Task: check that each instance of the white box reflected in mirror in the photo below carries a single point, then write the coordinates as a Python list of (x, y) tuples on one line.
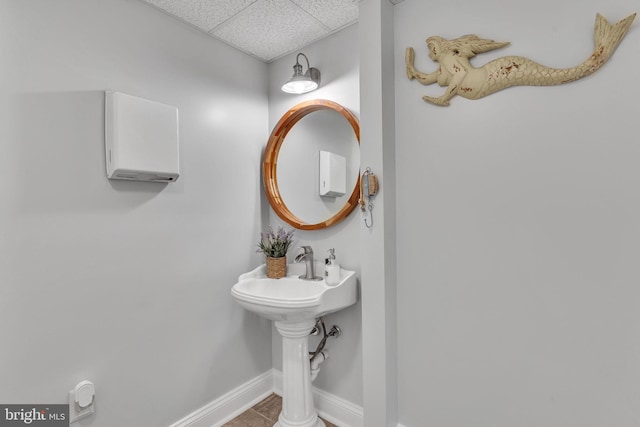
[(333, 174)]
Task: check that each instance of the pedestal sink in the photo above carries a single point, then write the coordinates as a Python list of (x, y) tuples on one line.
[(294, 305)]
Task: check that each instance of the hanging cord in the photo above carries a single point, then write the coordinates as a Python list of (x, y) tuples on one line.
[(364, 193), (370, 216)]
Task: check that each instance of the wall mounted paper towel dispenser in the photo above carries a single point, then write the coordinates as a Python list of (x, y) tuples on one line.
[(333, 174), (141, 139)]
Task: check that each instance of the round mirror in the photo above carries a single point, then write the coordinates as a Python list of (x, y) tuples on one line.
[(311, 165)]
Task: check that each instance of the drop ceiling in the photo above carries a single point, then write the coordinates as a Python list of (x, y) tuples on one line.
[(266, 29)]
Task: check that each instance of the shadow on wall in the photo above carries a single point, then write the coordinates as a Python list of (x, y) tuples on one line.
[(60, 138)]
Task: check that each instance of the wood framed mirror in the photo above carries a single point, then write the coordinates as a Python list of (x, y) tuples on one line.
[(325, 128)]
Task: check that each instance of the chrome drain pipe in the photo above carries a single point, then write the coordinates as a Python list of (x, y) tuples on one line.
[(320, 354)]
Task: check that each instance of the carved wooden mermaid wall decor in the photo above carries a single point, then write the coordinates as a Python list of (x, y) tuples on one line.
[(461, 78)]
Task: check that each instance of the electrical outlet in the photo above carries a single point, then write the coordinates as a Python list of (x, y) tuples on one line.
[(81, 401), (75, 412)]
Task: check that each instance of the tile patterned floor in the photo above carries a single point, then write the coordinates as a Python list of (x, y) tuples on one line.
[(263, 414)]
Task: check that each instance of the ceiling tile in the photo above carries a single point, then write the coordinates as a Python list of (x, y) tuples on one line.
[(204, 14), (270, 28), (332, 13)]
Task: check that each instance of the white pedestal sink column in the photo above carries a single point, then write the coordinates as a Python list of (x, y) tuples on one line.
[(297, 398)]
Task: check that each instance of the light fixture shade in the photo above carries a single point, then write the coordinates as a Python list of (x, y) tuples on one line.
[(302, 83)]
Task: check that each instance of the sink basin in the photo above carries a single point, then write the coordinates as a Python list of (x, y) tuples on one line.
[(294, 305), (291, 299)]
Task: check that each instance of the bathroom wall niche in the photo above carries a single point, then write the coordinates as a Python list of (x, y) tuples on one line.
[(291, 163)]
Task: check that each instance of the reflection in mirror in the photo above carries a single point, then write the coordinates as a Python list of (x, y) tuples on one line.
[(291, 164), (298, 168)]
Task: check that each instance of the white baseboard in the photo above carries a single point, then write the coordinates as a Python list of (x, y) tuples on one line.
[(330, 407), (230, 405), (337, 410)]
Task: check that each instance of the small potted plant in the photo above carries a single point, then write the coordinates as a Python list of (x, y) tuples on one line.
[(274, 245)]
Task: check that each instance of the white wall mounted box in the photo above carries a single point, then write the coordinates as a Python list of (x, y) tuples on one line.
[(141, 139), (333, 174)]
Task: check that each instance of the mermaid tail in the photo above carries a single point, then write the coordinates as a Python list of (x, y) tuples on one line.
[(518, 71)]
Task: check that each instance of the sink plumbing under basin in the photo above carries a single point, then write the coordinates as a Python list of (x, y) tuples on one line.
[(294, 305)]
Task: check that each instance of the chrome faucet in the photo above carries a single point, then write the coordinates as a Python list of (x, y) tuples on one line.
[(307, 257)]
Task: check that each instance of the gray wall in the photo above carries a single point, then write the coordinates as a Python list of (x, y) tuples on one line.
[(377, 244), (125, 284), (518, 227), (337, 59)]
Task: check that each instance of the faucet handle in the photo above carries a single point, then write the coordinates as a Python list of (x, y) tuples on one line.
[(306, 249)]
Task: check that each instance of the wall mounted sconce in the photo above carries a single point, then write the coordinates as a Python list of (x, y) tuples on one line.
[(302, 83)]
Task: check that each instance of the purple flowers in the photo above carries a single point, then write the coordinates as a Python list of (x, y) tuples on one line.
[(276, 244)]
